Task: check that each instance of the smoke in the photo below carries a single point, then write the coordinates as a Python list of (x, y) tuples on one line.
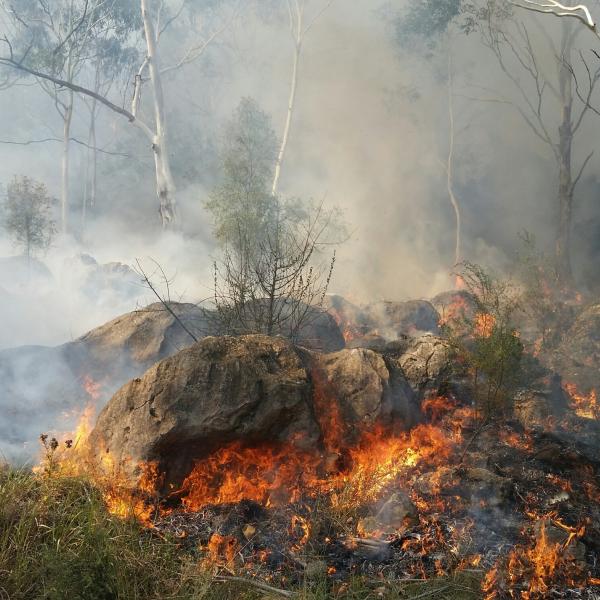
[(370, 134)]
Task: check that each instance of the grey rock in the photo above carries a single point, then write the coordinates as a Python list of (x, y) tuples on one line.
[(251, 388)]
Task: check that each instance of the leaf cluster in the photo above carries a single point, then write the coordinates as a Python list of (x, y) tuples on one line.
[(488, 342), (28, 215)]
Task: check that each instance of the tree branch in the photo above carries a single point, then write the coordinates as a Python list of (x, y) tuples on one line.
[(557, 9), (11, 62), (55, 139)]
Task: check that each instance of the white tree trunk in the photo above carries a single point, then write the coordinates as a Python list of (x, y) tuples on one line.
[(450, 164), (64, 192), (91, 168), (165, 187), (288, 119)]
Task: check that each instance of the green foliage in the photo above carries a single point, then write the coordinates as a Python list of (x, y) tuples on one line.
[(56, 37), (543, 305), (242, 205), (491, 349), (426, 20), (28, 215), (58, 541), (270, 273)]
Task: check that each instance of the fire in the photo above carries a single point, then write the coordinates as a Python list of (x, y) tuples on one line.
[(92, 388), (484, 325), (435, 407), (222, 548), (276, 475), (584, 405), (349, 330), (457, 310), (300, 527), (537, 565), (521, 441)]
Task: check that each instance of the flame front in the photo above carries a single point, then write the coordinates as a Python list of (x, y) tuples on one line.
[(584, 405)]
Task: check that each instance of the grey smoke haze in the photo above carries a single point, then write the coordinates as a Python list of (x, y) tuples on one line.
[(370, 127)]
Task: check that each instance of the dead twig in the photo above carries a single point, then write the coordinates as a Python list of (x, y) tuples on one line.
[(473, 438), (257, 584), (432, 592), (164, 302)]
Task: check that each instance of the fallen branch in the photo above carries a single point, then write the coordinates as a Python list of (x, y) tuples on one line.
[(257, 584), (432, 592)]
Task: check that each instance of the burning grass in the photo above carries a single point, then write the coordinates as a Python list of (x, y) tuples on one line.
[(395, 513), (58, 541), (457, 507)]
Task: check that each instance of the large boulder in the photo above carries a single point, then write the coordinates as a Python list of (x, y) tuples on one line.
[(366, 391), (128, 345), (47, 388), (426, 363), (250, 389), (393, 319), (103, 284)]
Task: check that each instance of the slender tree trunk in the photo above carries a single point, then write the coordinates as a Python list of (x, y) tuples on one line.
[(64, 195), (91, 165), (565, 176), (94, 173), (165, 187), (288, 119), (450, 164)]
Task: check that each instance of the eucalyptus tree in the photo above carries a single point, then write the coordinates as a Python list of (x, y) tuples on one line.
[(300, 24), (430, 22), (59, 38), (111, 66), (152, 19), (553, 101)]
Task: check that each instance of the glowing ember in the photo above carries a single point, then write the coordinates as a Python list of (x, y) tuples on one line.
[(522, 441), (584, 405)]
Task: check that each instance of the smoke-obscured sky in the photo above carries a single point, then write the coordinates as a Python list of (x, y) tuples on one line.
[(369, 134)]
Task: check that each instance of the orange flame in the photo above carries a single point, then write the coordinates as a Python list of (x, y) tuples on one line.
[(484, 325), (584, 405), (275, 475)]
